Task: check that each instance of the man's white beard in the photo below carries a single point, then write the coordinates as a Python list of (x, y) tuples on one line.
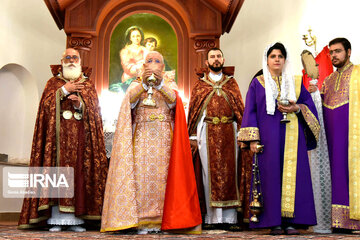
[(71, 70)]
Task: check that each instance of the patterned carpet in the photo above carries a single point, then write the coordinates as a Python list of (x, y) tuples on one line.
[(11, 232)]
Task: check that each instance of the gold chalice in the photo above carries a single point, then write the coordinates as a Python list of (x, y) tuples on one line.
[(149, 101), (284, 102)]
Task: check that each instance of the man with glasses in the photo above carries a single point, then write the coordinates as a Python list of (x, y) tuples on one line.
[(341, 109), (151, 183), (68, 133)]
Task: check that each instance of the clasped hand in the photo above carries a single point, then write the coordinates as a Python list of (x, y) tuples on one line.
[(157, 74), (292, 107), (73, 87), (75, 99), (254, 147)]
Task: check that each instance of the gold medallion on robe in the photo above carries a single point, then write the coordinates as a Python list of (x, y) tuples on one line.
[(77, 116), (67, 114)]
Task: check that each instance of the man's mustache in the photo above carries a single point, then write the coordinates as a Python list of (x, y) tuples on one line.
[(70, 65)]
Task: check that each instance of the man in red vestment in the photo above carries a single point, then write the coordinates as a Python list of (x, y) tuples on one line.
[(68, 133), (215, 115)]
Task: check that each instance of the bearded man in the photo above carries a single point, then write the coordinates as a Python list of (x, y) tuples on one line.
[(340, 94), (68, 133), (215, 115)]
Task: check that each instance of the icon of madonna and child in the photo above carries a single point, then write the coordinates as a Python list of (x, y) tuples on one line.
[(132, 58)]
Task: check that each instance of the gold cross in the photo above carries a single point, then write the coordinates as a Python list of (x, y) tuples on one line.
[(337, 223)]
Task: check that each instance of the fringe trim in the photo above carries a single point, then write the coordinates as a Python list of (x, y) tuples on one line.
[(286, 214)]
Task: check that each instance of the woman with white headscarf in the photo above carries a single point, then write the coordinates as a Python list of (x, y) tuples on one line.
[(285, 177)]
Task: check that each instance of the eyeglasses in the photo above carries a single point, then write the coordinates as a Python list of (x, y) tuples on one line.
[(150, 60), (75, 57), (337, 51)]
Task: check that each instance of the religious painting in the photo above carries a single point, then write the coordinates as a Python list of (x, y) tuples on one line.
[(131, 40)]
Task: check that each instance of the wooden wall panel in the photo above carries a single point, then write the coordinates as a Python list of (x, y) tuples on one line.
[(78, 16), (198, 25)]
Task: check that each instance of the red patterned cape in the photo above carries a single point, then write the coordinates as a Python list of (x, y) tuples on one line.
[(81, 145), (198, 96)]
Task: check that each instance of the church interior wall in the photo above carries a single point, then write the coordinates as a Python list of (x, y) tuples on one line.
[(261, 22), (20, 95), (30, 41)]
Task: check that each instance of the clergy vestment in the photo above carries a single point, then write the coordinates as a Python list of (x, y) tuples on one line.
[(341, 114), (283, 164), (215, 114), (68, 142), (151, 180)]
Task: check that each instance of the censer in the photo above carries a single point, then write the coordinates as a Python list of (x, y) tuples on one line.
[(256, 203)]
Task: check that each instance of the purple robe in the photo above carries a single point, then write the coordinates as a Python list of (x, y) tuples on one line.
[(272, 135), (335, 94), (337, 127)]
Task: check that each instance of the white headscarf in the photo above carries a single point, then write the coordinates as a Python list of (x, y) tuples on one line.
[(287, 84)]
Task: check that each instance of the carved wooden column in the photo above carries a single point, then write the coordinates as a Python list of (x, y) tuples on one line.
[(202, 46), (86, 45), (198, 25), (82, 43), (199, 47)]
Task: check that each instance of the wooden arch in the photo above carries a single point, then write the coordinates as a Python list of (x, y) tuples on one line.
[(198, 25), (123, 11)]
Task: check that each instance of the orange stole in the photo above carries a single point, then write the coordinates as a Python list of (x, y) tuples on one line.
[(181, 206)]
